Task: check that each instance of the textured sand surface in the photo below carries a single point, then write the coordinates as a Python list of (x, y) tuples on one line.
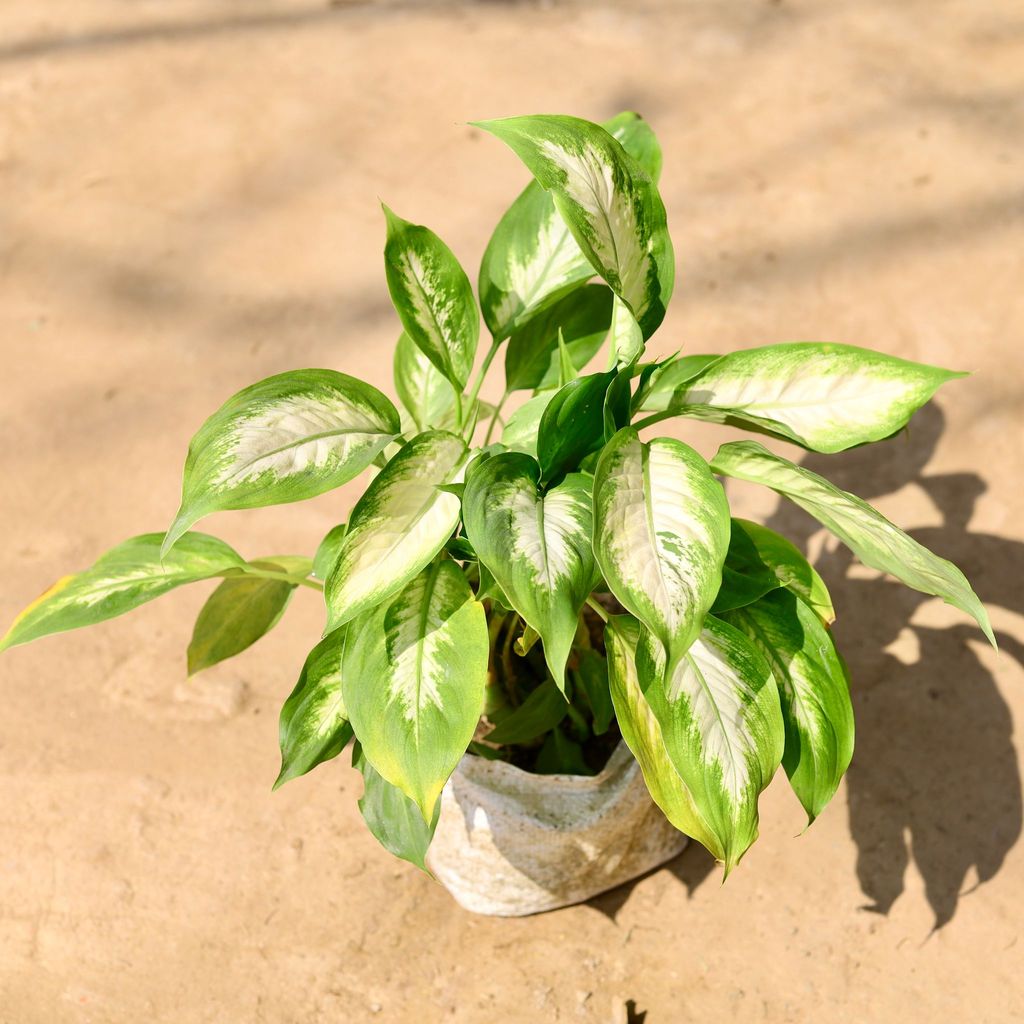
[(189, 203)]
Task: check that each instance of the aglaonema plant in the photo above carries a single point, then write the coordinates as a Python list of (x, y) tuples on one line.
[(534, 593)]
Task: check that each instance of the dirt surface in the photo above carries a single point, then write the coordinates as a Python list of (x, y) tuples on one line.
[(190, 203)]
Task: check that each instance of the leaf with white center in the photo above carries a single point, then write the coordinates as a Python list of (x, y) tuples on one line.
[(872, 538), (424, 391), (721, 721), (414, 676), (536, 547), (397, 526), (520, 433), (532, 358), (314, 726), (532, 259), (642, 734), (284, 439), (814, 690), (824, 397), (240, 611), (392, 818), (125, 577), (661, 532), (609, 202), (432, 296)]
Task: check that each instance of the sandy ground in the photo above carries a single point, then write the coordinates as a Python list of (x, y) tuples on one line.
[(189, 203)]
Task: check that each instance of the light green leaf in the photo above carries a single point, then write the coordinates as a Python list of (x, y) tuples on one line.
[(125, 577), (666, 389), (608, 201), (532, 357), (392, 818), (520, 433), (284, 439), (824, 397), (432, 296), (872, 538), (814, 689), (236, 615), (397, 527), (536, 547), (542, 710), (414, 676), (424, 391), (721, 722), (661, 531), (638, 140), (328, 551), (627, 341), (314, 725)]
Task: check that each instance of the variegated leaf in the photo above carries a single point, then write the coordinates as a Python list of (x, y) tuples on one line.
[(536, 546), (872, 538), (666, 388), (824, 397), (661, 531), (414, 677), (314, 726), (432, 296), (609, 202), (721, 722), (532, 259), (397, 527), (814, 689), (287, 438), (642, 734), (424, 391), (125, 577)]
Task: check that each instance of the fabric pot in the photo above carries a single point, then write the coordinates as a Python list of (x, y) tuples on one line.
[(510, 843)]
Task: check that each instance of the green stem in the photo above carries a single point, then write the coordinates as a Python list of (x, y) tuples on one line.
[(494, 419), (484, 367), (656, 417), (596, 607), (269, 574)]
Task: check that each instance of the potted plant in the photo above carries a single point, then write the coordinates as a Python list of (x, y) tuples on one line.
[(529, 630)]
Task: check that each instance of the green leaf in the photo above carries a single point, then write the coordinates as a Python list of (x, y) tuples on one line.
[(824, 397), (617, 402), (561, 756), (537, 547), (627, 340), (661, 532), (520, 433), (814, 689), (125, 577), (424, 391), (592, 678), (235, 616), (314, 725), (666, 390), (608, 201), (721, 722), (872, 538), (532, 357), (414, 676), (392, 818), (433, 297), (542, 710), (327, 553), (397, 527), (284, 439), (532, 259), (572, 424)]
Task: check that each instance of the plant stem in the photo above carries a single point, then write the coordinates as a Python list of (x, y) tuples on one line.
[(597, 607), (484, 367), (656, 417), (494, 419), (269, 574)]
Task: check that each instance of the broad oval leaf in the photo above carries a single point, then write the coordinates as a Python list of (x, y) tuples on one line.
[(532, 259), (721, 722), (814, 690), (414, 676), (572, 424), (584, 316), (432, 296), (125, 577), (661, 532), (536, 546), (397, 526), (823, 397), (424, 391), (236, 615), (392, 818), (872, 538), (289, 437), (314, 726), (609, 202)]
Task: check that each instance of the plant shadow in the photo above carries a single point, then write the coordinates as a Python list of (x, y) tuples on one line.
[(935, 775)]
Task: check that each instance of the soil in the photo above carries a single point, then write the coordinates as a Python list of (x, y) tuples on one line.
[(190, 203)]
